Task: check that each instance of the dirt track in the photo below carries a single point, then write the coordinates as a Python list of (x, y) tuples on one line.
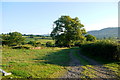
[(76, 70)]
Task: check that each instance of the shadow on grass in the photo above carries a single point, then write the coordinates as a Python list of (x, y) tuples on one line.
[(87, 65), (60, 58), (98, 59)]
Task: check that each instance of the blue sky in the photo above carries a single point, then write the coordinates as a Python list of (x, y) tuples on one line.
[(38, 17)]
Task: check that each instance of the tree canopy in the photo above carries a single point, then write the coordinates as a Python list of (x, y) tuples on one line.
[(12, 38), (67, 30)]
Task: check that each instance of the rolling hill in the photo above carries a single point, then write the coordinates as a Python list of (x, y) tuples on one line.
[(105, 33)]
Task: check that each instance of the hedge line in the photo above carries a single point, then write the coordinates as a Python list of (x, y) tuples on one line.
[(103, 49)]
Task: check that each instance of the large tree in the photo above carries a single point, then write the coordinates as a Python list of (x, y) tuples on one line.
[(12, 38), (67, 30)]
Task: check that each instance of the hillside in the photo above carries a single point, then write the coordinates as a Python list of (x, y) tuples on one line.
[(106, 32)]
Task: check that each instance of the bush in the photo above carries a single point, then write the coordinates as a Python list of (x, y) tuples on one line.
[(12, 39), (49, 44), (38, 44), (34, 43), (21, 47), (90, 37), (104, 49), (78, 44)]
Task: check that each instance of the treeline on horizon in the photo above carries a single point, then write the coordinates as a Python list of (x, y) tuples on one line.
[(34, 35)]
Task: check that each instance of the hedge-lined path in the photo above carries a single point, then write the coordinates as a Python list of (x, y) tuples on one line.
[(92, 70)]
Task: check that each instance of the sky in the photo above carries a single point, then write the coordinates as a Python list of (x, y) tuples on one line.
[(38, 17)]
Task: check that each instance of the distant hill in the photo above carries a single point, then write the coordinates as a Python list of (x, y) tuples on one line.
[(106, 32)]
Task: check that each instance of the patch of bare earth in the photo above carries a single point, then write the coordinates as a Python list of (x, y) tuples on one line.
[(36, 48), (76, 70)]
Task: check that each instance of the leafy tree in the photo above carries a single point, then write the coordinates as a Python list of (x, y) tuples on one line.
[(33, 43), (90, 37), (14, 38), (67, 30)]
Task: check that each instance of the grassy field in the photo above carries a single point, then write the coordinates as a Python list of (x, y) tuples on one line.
[(43, 63), (47, 62), (39, 39)]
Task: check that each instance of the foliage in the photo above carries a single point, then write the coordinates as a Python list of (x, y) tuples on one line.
[(31, 36), (90, 37), (34, 43), (67, 30), (103, 49), (49, 44), (12, 38), (38, 44), (21, 47)]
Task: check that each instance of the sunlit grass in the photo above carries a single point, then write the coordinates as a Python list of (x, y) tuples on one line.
[(43, 63), (89, 69), (114, 67), (38, 39)]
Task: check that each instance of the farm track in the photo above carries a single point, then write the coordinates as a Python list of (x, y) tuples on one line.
[(75, 69)]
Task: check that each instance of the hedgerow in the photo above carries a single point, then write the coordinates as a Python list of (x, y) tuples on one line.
[(104, 49)]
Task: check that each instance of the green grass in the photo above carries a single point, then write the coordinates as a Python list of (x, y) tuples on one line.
[(114, 66), (76, 54), (88, 69), (46, 63), (43, 63), (38, 39), (43, 41)]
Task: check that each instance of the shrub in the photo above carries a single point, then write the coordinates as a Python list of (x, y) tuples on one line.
[(34, 43), (49, 44), (104, 49), (12, 39), (21, 47), (78, 44), (38, 44), (90, 37)]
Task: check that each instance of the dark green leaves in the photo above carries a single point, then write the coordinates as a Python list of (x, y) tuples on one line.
[(67, 30)]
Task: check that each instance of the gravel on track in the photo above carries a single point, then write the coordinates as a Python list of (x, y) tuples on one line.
[(76, 70)]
